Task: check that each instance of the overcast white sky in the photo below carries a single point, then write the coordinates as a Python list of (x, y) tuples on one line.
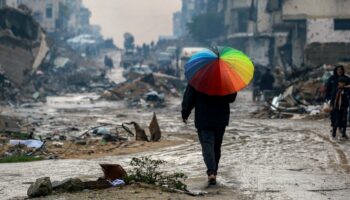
[(145, 19)]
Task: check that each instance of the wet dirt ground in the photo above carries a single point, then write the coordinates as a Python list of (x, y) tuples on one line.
[(261, 158)]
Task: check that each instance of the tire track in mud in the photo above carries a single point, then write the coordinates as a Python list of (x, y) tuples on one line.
[(343, 159)]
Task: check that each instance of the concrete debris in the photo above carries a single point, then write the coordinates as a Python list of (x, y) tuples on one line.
[(140, 132), (20, 30), (113, 176), (68, 185), (154, 129), (304, 97), (48, 65), (146, 90), (41, 187)]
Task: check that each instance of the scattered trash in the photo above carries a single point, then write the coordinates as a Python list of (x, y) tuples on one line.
[(29, 143), (57, 144), (113, 171), (117, 182), (101, 131)]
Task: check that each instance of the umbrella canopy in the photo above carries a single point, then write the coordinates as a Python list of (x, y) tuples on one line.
[(220, 71)]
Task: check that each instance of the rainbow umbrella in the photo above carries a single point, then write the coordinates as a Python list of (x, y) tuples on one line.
[(220, 71)]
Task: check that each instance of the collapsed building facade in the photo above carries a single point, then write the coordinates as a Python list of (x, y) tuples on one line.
[(23, 45), (289, 33), (35, 64)]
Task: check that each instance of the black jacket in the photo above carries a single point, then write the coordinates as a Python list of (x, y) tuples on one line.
[(332, 85), (344, 101), (266, 82), (211, 112)]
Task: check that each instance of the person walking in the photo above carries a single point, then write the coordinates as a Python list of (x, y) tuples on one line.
[(340, 104), (266, 84), (214, 77), (212, 114), (331, 87), (332, 82)]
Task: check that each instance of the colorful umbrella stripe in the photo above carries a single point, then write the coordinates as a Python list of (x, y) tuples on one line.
[(222, 72)]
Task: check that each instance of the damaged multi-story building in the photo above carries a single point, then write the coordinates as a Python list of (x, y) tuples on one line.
[(55, 15), (190, 9), (289, 33)]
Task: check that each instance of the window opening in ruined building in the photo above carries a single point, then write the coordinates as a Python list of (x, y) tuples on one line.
[(341, 24), (49, 11), (241, 18)]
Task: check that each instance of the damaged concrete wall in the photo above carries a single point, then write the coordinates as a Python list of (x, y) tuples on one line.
[(15, 60), (42, 52), (326, 53), (322, 30), (258, 49), (46, 12), (301, 9), (264, 22)]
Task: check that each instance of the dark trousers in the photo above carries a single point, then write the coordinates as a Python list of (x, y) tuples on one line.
[(339, 117), (211, 141)]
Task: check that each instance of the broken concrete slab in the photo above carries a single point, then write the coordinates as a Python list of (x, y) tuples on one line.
[(154, 129), (68, 185), (41, 187)]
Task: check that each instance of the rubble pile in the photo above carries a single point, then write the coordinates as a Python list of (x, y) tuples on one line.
[(303, 98), (146, 89), (34, 65), (66, 71), (23, 47), (18, 143)]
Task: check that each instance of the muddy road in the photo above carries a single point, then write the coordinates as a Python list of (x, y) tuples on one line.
[(262, 159)]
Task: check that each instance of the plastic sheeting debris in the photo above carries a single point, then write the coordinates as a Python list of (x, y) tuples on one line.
[(29, 143)]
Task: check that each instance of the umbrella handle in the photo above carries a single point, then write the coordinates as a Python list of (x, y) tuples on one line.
[(216, 51)]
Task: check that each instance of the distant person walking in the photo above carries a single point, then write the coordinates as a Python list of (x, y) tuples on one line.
[(256, 85), (212, 114), (338, 82), (108, 62), (332, 82), (340, 104), (266, 84), (267, 80)]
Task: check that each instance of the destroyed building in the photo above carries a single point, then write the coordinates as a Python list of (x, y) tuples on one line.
[(20, 37), (34, 64), (290, 33), (55, 15)]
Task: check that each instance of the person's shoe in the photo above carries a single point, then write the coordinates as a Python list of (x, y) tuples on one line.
[(212, 179), (345, 137), (334, 133)]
